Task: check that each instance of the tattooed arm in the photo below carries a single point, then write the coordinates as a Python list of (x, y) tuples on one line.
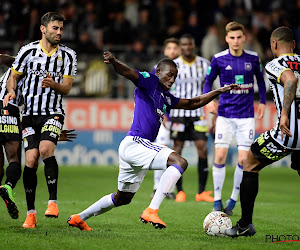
[(289, 81)]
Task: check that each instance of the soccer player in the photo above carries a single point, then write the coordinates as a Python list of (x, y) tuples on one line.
[(235, 114), (284, 138), (190, 125), (137, 152), (49, 69), (171, 51)]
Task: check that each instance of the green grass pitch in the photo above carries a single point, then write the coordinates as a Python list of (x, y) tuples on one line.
[(276, 213)]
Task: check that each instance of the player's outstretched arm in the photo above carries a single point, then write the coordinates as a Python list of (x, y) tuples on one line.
[(200, 101), (6, 60), (67, 135), (120, 67), (10, 86)]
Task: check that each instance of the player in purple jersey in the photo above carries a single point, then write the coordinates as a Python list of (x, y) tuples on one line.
[(235, 114), (284, 75), (171, 51), (137, 152)]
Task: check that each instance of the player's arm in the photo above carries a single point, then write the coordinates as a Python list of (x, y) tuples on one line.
[(6, 60), (120, 67), (62, 88), (202, 100), (11, 87), (289, 81), (261, 90)]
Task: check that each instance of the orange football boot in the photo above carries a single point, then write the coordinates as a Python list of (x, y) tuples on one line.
[(52, 210), (204, 196), (75, 221), (30, 221), (151, 215), (180, 197)]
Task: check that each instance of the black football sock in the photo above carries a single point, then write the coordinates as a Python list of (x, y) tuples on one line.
[(30, 183), (179, 185), (202, 174), (51, 174), (13, 174), (248, 193)]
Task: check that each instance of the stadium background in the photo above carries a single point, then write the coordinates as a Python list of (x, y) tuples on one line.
[(100, 105)]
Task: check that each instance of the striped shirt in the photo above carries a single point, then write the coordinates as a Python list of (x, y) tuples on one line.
[(34, 61), (274, 69), (189, 84), (3, 91)]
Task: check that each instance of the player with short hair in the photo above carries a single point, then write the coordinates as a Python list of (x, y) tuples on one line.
[(235, 114), (171, 51), (283, 74), (137, 152), (49, 68), (191, 125)]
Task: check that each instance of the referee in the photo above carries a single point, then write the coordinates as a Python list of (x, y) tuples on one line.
[(49, 69)]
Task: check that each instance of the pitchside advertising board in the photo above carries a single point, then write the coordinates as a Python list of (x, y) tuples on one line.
[(102, 124)]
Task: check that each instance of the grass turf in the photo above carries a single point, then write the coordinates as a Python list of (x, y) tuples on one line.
[(276, 213)]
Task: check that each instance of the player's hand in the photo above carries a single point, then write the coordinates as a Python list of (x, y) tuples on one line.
[(261, 110), (8, 97), (67, 135), (212, 107), (284, 126), (48, 82), (229, 87), (108, 57)]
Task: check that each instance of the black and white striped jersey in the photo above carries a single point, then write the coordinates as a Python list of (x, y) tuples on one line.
[(189, 84), (34, 61), (274, 69), (3, 91)]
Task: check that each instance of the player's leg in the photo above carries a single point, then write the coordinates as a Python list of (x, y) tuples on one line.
[(244, 137), (176, 167), (49, 138), (181, 196), (1, 164), (223, 137)]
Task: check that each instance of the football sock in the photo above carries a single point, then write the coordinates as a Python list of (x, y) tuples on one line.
[(157, 175), (219, 172), (179, 185), (237, 179), (166, 185), (30, 183), (13, 174), (202, 174), (101, 206), (1, 175), (51, 174), (249, 190)]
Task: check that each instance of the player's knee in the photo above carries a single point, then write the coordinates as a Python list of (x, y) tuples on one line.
[(45, 152), (182, 162), (123, 201)]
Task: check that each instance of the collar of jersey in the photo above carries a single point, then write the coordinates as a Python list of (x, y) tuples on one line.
[(287, 54), (189, 63), (45, 51)]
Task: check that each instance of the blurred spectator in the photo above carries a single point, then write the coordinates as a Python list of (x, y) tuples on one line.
[(176, 20), (85, 44), (4, 29), (210, 43), (192, 27), (251, 43), (132, 12)]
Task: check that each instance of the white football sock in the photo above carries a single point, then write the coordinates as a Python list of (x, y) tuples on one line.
[(99, 207), (157, 175), (219, 172), (166, 185), (238, 176)]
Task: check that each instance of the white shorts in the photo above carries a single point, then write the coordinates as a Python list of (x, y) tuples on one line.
[(136, 156), (242, 128), (163, 136)]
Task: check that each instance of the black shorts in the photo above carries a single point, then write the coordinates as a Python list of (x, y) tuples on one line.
[(41, 128), (188, 129), (10, 128), (266, 150)]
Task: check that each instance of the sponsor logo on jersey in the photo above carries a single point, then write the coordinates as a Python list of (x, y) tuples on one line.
[(28, 131), (208, 70), (239, 79), (228, 67)]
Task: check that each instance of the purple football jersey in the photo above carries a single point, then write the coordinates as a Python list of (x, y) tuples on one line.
[(238, 103), (151, 104)]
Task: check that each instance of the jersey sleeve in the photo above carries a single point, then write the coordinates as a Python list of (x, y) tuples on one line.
[(154, 70), (211, 75), (70, 69), (274, 70), (260, 81), (147, 80), (172, 101), (21, 59)]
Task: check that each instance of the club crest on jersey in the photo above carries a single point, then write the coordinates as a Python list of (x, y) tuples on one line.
[(248, 66), (168, 99), (59, 61)]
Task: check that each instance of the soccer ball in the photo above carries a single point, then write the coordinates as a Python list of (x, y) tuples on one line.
[(215, 223)]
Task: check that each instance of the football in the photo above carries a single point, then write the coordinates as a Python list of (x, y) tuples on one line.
[(216, 222)]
